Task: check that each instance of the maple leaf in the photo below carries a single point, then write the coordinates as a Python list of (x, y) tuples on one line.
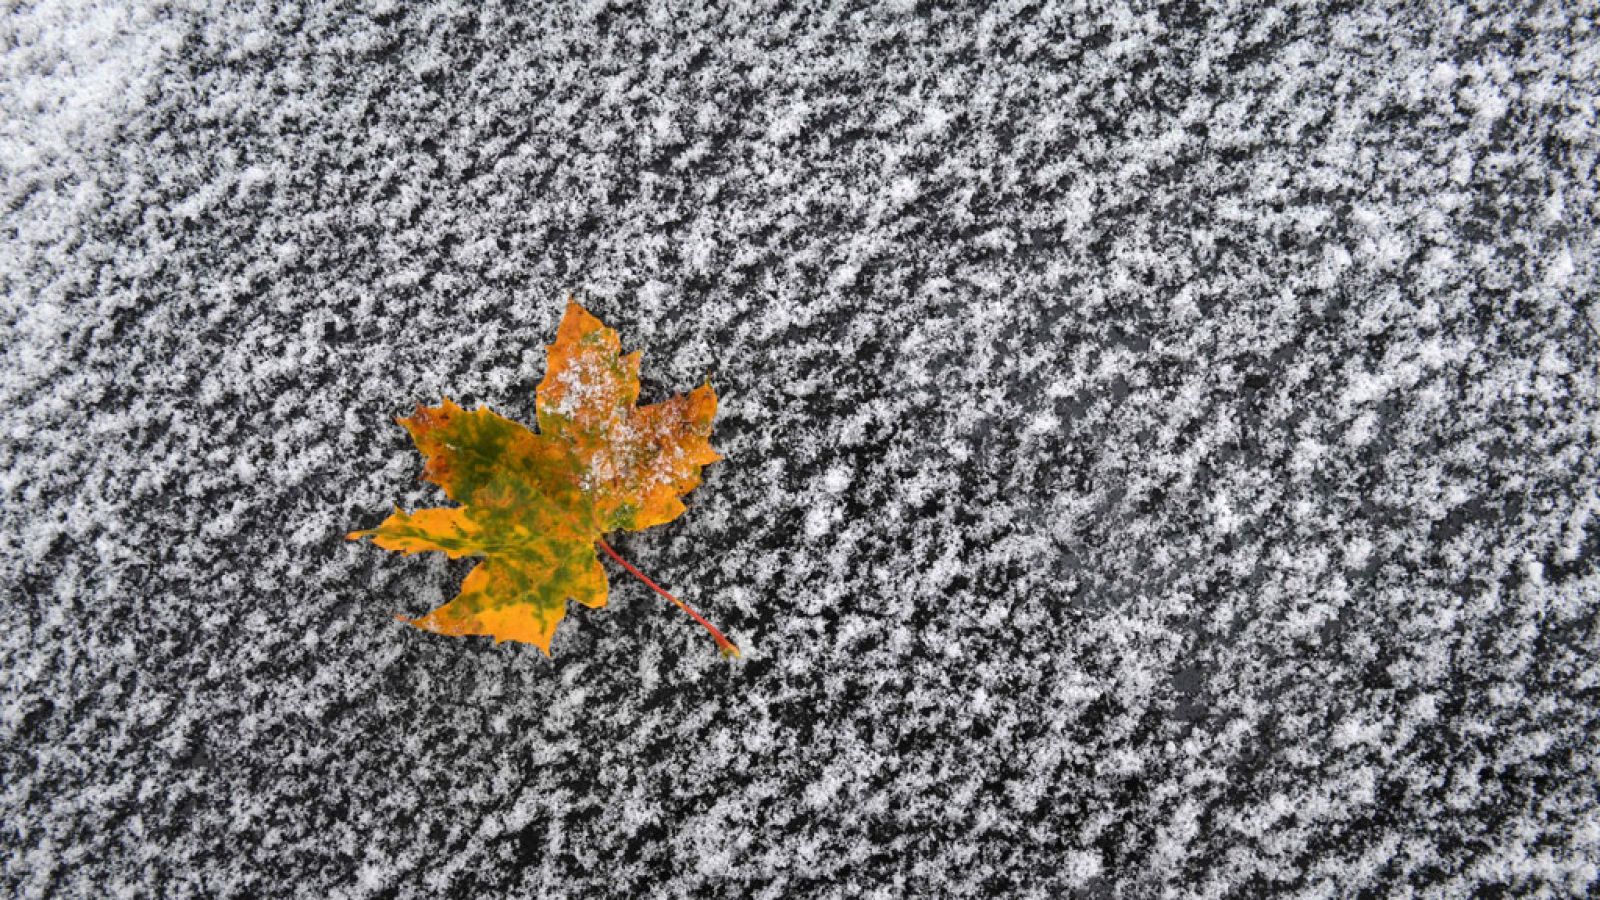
[(535, 506)]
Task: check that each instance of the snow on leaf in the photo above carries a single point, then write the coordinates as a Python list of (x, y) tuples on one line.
[(636, 462)]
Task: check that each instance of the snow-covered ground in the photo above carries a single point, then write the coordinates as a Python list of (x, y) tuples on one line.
[(1161, 448)]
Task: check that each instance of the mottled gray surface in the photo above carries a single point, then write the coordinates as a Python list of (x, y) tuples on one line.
[(1161, 449)]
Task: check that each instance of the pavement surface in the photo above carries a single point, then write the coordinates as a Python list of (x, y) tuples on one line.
[(1161, 448)]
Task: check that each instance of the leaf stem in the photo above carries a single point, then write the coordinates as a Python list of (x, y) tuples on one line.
[(725, 645)]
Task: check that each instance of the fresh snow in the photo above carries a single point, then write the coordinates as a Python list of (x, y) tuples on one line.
[(1161, 448)]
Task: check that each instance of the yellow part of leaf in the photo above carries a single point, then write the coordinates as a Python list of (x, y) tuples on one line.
[(449, 530), (514, 599)]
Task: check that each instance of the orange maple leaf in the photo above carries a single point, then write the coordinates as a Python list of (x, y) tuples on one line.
[(535, 506)]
